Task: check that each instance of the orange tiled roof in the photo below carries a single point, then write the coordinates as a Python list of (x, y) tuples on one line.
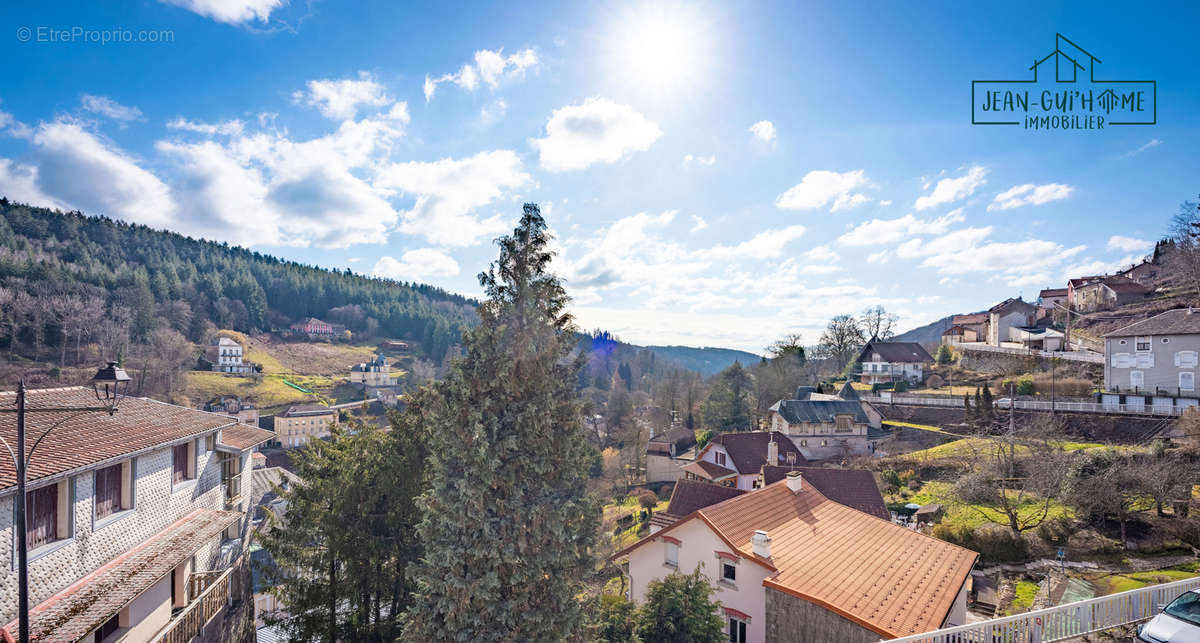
[(84, 439), (708, 470), (880, 575), (244, 436), (93, 599)]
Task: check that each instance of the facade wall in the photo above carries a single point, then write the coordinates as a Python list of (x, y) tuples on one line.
[(999, 325), (1159, 367), (297, 431), (823, 441), (156, 504), (661, 468), (795, 620), (698, 548)]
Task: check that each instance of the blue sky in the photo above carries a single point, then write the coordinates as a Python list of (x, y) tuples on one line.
[(715, 173)]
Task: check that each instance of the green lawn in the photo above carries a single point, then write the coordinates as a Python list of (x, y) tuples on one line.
[(959, 514), (1026, 591), (1137, 580)]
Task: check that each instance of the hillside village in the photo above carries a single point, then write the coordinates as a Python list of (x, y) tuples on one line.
[(904, 451)]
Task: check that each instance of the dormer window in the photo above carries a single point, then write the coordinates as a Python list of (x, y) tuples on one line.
[(1143, 344), (720, 458)]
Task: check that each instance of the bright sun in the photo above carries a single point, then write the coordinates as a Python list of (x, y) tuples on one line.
[(661, 49)]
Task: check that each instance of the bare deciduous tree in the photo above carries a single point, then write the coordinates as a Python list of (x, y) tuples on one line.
[(876, 321), (841, 339)]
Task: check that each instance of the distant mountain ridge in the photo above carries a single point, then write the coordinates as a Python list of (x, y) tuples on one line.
[(930, 333), (704, 360)]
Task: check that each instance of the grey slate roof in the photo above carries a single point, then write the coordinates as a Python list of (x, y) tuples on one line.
[(908, 352), (1181, 321), (847, 392), (821, 411)]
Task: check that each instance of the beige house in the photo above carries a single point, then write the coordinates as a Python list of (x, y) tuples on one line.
[(667, 453), (303, 422), (136, 523), (1006, 315), (828, 427), (1108, 293), (372, 374)]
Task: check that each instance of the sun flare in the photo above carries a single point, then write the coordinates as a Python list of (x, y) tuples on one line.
[(661, 50)]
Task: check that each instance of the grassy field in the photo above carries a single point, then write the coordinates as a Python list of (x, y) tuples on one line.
[(1136, 580), (967, 447), (266, 391), (959, 514), (1025, 592)]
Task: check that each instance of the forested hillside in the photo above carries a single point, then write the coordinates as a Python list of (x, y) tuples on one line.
[(67, 278)]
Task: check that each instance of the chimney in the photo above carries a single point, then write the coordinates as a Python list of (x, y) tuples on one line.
[(794, 481), (772, 452), (761, 543)]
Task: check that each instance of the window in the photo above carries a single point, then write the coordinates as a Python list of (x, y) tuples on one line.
[(804, 443), (728, 571), (824, 443), (737, 630), (720, 458), (183, 458), (1137, 379), (1187, 381), (843, 423), (41, 516), (1165, 340), (672, 555), (113, 489), (1143, 344), (1122, 342), (110, 626)]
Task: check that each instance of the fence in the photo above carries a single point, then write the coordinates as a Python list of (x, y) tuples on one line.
[(1064, 621), (1070, 356), (1031, 405)]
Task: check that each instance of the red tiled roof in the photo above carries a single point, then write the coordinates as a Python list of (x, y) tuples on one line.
[(974, 318), (855, 488), (244, 436), (1125, 285), (87, 438), (690, 495), (709, 470), (89, 602), (889, 579)]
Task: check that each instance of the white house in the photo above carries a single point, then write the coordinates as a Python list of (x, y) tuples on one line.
[(226, 357), (372, 374), (884, 362), (132, 520), (1010, 313), (735, 459), (789, 564), (1154, 362)]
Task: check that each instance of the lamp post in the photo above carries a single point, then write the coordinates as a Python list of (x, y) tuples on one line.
[(109, 384)]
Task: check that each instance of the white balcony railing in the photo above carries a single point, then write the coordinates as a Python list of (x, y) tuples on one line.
[(1064, 621)]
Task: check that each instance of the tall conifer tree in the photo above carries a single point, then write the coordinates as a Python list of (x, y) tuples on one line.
[(507, 524)]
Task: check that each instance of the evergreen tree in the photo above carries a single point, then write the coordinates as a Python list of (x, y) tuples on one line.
[(506, 521), (987, 409), (944, 356), (341, 556), (969, 412), (678, 609), (979, 412), (729, 406)]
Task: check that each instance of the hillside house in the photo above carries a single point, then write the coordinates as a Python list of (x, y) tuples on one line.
[(245, 412), (137, 521), (394, 346), (886, 362), (1154, 362), (667, 453), (825, 427), (372, 374), (735, 459), (1037, 338), (1144, 273), (1008, 314), (303, 422), (1108, 293), (312, 327), (1075, 284), (788, 563), (1051, 297), (976, 322), (958, 334)]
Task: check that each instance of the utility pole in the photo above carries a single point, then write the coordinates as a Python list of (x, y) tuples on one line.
[(1012, 427)]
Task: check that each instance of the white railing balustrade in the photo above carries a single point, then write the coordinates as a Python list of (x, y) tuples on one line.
[(1064, 621), (1031, 405), (1070, 356)]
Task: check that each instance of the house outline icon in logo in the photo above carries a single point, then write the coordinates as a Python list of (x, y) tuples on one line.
[(1066, 71)]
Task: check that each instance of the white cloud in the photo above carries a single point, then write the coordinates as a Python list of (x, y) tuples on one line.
[(820, 187), (449, 190), (698, 223), (1030, 194), (230, 11), (341, 99), (689, 160), (883, 256), (1089, 266), (822, 253), (416, 265), (231, 127), (75, 167), (489, 114), (949, 243), (1011, 259), (490, 67), (885, 231), (1128, 244), (765, 245), (106, 106), (19, 183), (956, 189), (595, 131), (885, 203), (763, 131)]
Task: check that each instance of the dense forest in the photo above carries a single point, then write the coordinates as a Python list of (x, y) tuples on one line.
[(68, 277)]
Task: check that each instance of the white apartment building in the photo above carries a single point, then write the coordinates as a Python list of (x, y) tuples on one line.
[(136, 522)]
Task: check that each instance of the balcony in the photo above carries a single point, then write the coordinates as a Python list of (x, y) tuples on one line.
[(219, 611)]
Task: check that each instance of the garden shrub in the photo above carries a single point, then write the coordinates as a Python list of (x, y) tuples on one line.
[(1057, 530), (994, 543)]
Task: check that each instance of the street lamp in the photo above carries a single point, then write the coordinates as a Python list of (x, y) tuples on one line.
[(109, 385)]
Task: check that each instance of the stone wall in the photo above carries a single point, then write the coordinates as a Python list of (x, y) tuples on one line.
[(795, 620), (157, 503)]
